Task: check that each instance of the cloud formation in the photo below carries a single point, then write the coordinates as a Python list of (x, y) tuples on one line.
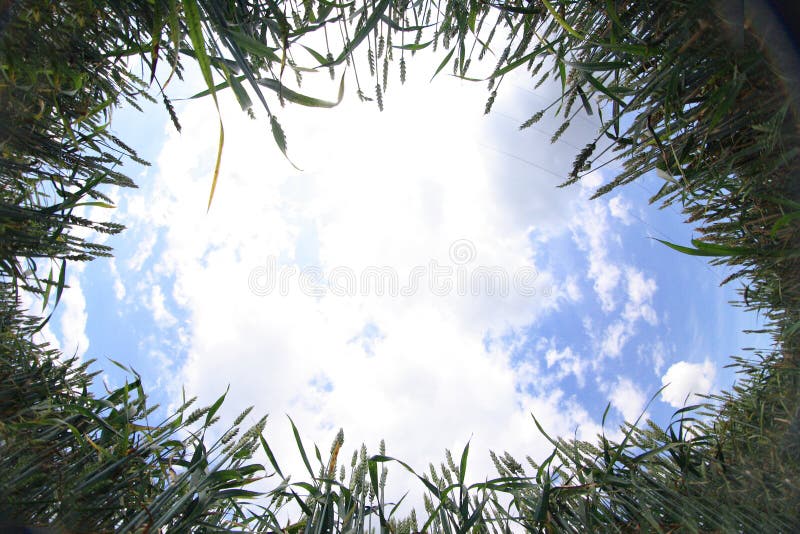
[(423, 370), (628, 399), (73, 340), (684, 381)]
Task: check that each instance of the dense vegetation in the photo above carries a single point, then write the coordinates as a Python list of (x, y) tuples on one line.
[(685, 88)]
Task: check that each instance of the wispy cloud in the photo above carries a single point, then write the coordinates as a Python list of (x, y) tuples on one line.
[(155, 302), (592, 233), (620, 209), (565, 362)]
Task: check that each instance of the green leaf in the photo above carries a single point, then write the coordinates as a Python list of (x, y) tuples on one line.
[(444, 62), (271, 456), (215, 407), (62, 281), (300, 447), (239, 494), (195, 30), (473, 16), (543, 505), (597, 65), (96, 204), (214, 61), (193, 25), (312, 27), (413, 46), (240, 92), (594, 82), (319, 57), (318, 455), (373, 479), (254, 46), (463, 466), (396, 506), (685, 409), (475, 515), (395, 26), (587, 106), (220, 145), (48, 287), (283, 22), (524, 59), (379, 458), (562, 21), (298, 98), (545, 434), (334, 4), (705, 249)]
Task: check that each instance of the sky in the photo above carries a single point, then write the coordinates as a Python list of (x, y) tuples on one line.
[(417, 277)]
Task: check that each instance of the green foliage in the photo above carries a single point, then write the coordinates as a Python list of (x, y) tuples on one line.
[(57, 152), (98, 464), (679, 88)]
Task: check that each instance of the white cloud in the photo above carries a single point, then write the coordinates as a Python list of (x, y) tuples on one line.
[(685, 381), (628, 399), (32, 305), (119, 287), (155, 303), (620, 208), (640, 297), (572, 289), (382, 190), (591, 231), (656, 354), (614, 338), (73, 319), (566, 362), (145, 247), (370, 195), (639, 305)]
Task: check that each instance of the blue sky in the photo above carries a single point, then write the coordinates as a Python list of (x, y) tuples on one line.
[(614, 315)]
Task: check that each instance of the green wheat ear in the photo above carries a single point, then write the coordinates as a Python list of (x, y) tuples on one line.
[(242, 415), (542, 80), (533, 120), (490, 102), (580, 164), (171, 111), (371, 61), (560, 131)]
